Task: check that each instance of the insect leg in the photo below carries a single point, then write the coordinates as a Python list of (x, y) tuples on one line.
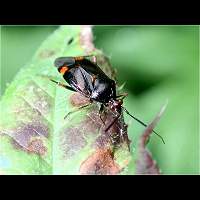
[(63, 85), (112, 122), (101, 111), (78, 109), (58, 83)]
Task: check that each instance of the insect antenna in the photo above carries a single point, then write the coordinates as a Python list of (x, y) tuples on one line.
[(143, 124)]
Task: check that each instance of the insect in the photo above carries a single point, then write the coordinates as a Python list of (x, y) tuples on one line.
[(83, 75)]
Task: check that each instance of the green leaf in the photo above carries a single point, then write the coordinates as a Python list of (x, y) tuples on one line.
[(35, 138)]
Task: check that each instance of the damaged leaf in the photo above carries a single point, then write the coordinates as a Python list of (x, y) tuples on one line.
[(34, 136)]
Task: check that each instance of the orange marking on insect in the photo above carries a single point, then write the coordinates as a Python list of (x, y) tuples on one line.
[(79, 58), (93, 78), (64, 69)]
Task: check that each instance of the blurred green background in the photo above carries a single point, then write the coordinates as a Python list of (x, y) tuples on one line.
[(156, 63)]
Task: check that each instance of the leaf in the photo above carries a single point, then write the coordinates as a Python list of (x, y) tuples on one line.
[(145, 163), (35, 138)]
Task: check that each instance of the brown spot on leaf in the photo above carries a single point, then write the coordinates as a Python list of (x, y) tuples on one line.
[(72, 141), (46, 54), (77, 99), (100, 163), (25, 134), (37, 146), (115, 136)]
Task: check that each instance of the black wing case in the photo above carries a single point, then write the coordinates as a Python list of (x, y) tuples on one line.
[(79, 80), (92, 69)]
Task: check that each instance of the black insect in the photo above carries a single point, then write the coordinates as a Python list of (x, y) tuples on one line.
[(86, 77)]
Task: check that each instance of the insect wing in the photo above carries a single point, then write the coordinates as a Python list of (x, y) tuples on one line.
[(79, 80), (93, 69)]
